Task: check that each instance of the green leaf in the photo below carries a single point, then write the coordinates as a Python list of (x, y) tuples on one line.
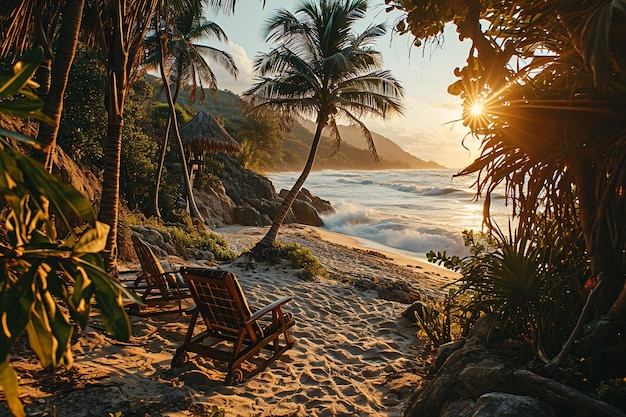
[(8, 379), (15, 309), (109, 300), (93, 240), (23, 71), (80, 301), (63, 198), (40, 335)]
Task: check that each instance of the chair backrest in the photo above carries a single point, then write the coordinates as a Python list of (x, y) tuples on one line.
[(151, 265), (221, 301)]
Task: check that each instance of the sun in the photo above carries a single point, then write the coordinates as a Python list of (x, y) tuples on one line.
[(477, 109)]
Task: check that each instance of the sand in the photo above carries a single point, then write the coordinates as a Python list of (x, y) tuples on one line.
[(354, 353)]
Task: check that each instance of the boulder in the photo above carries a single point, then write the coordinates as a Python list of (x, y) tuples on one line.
[(463, 408), (160, 242), (322, 206), (269, 208), (305, 213), (215, 206), (470, 372), (501, 404), (249, 216)]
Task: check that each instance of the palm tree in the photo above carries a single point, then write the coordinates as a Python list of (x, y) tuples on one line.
[(321, 67), (35, 23), (187, 65), (119, 27), (68, 37)]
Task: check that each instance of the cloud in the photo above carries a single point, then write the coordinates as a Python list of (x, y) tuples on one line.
[(246, 72)]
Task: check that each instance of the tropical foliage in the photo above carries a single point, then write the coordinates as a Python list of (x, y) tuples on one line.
[(46, 282), (549, 77), (322, 68)]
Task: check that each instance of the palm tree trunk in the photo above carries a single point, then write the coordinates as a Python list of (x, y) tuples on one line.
[(68, 38), (117, 60), (193, 208), (157, 211), (272, 233)]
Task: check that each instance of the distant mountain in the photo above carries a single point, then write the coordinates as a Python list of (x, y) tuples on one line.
[(386, 148)]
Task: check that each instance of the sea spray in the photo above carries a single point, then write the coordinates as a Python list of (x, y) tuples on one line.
[(406, 211)]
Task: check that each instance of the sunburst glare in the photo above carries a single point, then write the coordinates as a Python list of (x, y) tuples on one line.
[(476, 109)]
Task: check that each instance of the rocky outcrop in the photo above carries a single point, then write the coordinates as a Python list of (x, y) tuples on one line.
[(471, 379), (242, 184), (250, 199), (320, 205), (215, 206)]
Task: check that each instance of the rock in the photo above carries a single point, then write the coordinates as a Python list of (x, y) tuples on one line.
[(305, 213), (215, 206), (270, 208), (416, 307), (444, 351), (159, 242), (241, 183), (321, 205), (463, 408), (489, 376), (249, 216), (500, 404)]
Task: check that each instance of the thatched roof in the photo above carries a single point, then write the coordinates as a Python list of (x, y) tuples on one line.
[(203, 133)]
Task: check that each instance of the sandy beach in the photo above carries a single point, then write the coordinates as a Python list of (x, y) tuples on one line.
[(354, 353)]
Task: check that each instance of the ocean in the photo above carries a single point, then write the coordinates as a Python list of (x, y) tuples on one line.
[(410, 212)]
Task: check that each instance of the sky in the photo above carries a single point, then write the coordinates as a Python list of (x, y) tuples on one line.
[(429, 129)]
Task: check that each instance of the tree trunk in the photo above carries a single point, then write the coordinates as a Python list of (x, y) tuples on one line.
[(272, 233), (612, 294), (117, 60), (68, 39), (157, 210), (193, 208)]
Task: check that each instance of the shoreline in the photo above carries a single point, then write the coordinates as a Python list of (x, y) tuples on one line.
[(334, 250)]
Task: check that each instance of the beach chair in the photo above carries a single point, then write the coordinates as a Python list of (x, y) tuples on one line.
[(160, 286), (233, 333)]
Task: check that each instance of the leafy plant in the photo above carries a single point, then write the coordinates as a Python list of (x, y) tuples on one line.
[(445, 319), (209, 175), (303, 258), (531, 286), (46, 283), (188, 233)]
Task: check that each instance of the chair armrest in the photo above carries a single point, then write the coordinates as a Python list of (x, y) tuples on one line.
[(275, 305)]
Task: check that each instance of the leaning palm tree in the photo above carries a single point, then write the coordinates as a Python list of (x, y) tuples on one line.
[(187, 64), (322, 68)]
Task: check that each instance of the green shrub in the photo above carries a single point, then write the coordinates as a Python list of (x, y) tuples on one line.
[(187, 233), (532, 285), (303, 258)]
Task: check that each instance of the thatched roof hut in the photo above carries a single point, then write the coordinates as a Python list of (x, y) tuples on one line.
[(203, 133)]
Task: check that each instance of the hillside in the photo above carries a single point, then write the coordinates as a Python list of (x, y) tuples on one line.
[(387, 149), (353, 153)]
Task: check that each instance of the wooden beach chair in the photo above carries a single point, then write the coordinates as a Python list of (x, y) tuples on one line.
[(160, 286), (225, 313)]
